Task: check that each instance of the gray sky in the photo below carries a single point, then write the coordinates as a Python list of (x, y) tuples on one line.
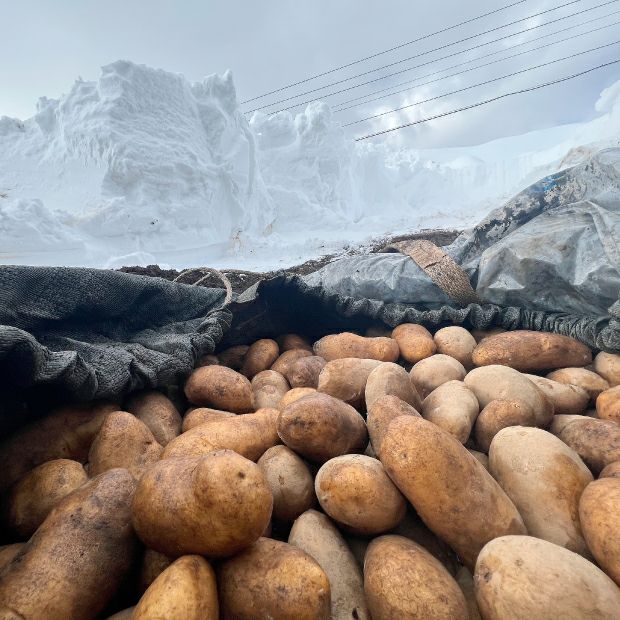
[(46, 45)]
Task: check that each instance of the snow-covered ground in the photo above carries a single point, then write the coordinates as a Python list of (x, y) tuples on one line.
[(144, 167)]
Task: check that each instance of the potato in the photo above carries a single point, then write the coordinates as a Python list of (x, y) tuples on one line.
[(481, 457), (481, 334), (376, 331), (305, 371), (611, 471), (453, 407), (390, 378), (316, 535), (212, 505), (456, 342), (274, 580), (428, 374), (8, 552), (288, 358), (320, 427), (32, 498), (608, 366), (233, 356), (123, 441), (402, 580), (287, 342), (381, 413), (599, 513), (158, 413), (608, 404), (503, 383), (186, 590), (295, 394), (346, 379), (250, 435), (338, 346), (414, 341), (125, 614), (79, 556), (260, 356), (268, 387), (499, 414), (289, 480), (465, 580), (592, 383), (452, 491), (221, 388), (525, 578), (560, 421), (545, 479), (208, 360), (355, 491), (153, 564), (567, 399), (200, 415), (597, 442)]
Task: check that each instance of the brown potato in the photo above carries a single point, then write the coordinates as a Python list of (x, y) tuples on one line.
[(608, 366), (288, 358), (290, 482), (499, 414), (320, 427), (8, 552), (316, 535), (525, 578), (346, 379), (221, 388), (295, 394), (428, 374), (125, 614), (293, 341), (414, 341), (599, 513), (381, 413), (208, 360), (32, 498), (592, 383), (158, 413), (597, 442), (480, 456), (481, 334), (456, 342), (466, 582), (560, 421), (355, 491), (305, 371), (200, 415), (338, 346), (390, 378), (233, 356), (611, 471), (79, 556), (212, 505), (274, 580), (608, 405), (453, 407), (186, 590), (153, 564), (268, 387), (452, 491), (260, 356), (402, 580), (567, 399)]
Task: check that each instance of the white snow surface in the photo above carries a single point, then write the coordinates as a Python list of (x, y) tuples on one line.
[(145, 167)]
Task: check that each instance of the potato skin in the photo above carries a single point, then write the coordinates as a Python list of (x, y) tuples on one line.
[(260, 356), (305, 371), (212, 505), (233, 356), (522, 578), (450, 489), (200, 415), (275, 580), (287, 342), (428, 374), (295, 394), (221, 388), (158, 413), (346, 344), (403, 580), (592, 383), (611, 471), (186, 590), (567, 399), (288, 358), (499, 414), (608, 366), (597, 442), (381, 413), (78, 557), (8, 552), (346, 379), (153, 564), (414, 341), (390, 378), (456, 342), (608, 405), (268, 387)]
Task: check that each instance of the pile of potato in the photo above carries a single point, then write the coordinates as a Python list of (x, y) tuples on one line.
[(390, 475)]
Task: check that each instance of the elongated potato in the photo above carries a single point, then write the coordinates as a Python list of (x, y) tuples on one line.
[(212, 505), (428, 374), (289, 480), (451, 491), (355, 491), (522, 578), (260, 356), (233, 356), (608, 405), (567, 399), (316, 535), (608, 366), (250, 435), (560, 421), (200, 415), (390, 378), (338, 346), (78, 557), (599, 513), (545, 479), (32, 498), (288, 358), (414, 341), (499, 414), (597, 442), (403, 580), (456, 342), (611, 471), (305, 371), (158, 413), (381, 413), (221, 388), (320, 427), (287, 342), (453, 407), (153, 564), (275, 580), (268, 387), (186, 590), (295, 394), (592, 383), (346, 379)]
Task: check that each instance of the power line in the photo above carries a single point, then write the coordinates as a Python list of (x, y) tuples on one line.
[(487, 101), (391, 49), (460, 90)]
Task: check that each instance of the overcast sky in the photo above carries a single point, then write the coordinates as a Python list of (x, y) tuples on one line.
[(46, 45)]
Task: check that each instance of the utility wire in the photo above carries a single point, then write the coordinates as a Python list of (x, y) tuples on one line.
[(391, 49), (487, 101)]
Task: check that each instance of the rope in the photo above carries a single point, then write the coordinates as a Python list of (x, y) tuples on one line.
[(209, 271)]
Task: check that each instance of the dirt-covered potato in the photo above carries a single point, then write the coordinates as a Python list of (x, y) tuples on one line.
[(608, 366), (79, 556), (316, 535), (597, 442), (260, 356), (249, 435), (381, 413), (289, 480), (402, 580), (567, 399), (287, 342), (480, 456), (275, 580), (480, 334), (414, 341), (219, 387), (186, 590), (450, 489), (295, 394), (355, 491), (233, 356), (338, 346), (456, 342), (212, 505), (268, 387), (599, 513), (545, 479), (611, 471), (526, 578), (288, 358), (32, 498), (158, 413), (466, 582), (428, 374), (153, 564), (592, 383), (320, 427), (8, 552), (499, 414), (346, 379), (453, 407), (560, 421), (305, 371), (608, 405), (392, 379), (200, 415)]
